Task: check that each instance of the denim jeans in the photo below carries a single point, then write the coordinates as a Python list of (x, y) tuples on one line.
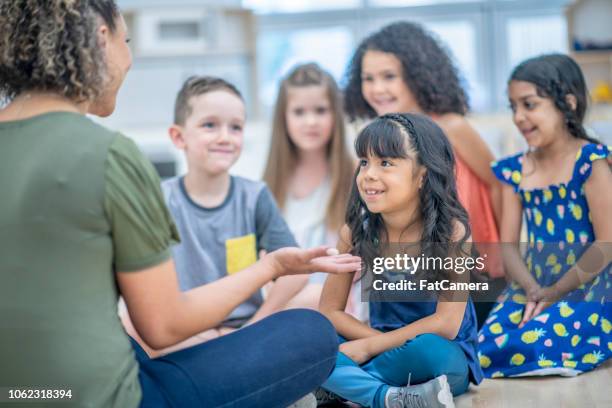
[(269, 364), (422, 359)]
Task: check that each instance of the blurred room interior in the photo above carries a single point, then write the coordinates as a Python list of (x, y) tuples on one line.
[(253, 43)]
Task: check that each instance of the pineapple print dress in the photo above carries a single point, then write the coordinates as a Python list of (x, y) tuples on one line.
[(573, 335)]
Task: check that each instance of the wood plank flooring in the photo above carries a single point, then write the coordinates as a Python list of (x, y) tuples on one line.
[(593, 389)]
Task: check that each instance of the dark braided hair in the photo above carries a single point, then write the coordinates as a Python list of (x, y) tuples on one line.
[(392, 136), (556, 76)]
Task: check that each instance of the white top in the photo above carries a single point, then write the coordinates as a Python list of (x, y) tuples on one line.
[(306, 220), (306, 216)]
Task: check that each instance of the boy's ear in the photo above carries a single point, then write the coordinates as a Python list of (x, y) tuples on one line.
[(176, 135), (571, 101)]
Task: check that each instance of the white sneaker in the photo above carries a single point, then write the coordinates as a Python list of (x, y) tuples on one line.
[(434, 393)]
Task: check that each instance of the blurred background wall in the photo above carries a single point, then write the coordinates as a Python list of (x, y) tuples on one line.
[(252, 43)]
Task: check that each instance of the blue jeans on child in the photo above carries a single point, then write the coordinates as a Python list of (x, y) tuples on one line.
[(269, 364), (422, 359)]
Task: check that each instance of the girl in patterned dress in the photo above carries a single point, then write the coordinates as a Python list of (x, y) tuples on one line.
[(554, 318)]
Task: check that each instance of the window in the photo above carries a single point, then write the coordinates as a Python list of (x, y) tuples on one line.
[(293, 6), (531, 36), (279, 51), (486, 37), (164, 33), (187, 30), (524, 36), (403, 3), (460, 38)]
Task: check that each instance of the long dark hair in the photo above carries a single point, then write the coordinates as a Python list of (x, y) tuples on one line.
[(556, 76), (391, 136), (427, 70)]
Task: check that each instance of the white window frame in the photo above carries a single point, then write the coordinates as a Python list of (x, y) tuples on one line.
[(488, 17)]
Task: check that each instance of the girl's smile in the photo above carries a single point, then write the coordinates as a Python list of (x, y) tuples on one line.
[(535, 116), (387, 185), (383, 86), (372, 194)]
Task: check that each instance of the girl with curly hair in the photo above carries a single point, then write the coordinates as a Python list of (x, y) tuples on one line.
[(554, 318), (403, 200), (83, 220), (403, 68)]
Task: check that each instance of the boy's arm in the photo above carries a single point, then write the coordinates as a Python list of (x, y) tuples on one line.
[(273, 233), (283, 290)]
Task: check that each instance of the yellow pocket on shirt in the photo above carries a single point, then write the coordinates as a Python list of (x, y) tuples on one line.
[(240, 253)]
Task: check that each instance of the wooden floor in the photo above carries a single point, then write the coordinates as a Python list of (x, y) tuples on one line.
[(593, 389)]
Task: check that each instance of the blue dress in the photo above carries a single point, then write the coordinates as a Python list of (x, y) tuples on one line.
[(573, 335)]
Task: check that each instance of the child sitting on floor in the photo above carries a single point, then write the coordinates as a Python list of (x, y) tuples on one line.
[(224, 220)]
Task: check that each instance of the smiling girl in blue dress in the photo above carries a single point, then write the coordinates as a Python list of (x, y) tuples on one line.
[(554, 318)]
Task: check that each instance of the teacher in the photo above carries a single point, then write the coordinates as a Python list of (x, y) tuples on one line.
[(82, 221)]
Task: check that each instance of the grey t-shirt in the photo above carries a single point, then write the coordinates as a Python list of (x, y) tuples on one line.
[(219, 241)]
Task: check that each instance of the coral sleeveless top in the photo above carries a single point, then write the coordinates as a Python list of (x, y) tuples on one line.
[(475, 198)]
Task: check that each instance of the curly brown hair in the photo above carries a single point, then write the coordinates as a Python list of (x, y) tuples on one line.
[(51, 45), (428, 70)]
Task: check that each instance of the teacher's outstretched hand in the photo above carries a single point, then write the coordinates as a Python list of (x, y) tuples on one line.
[(288, 261)]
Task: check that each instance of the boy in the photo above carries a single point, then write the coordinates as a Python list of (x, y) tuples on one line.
[(224, 221)]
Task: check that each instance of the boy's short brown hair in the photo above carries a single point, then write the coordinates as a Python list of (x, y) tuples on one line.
[(198, 85)]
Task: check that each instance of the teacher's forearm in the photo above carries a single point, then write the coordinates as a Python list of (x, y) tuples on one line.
[(209, 305)]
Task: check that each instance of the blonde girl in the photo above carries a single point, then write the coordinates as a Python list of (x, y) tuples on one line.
[(309, 167)]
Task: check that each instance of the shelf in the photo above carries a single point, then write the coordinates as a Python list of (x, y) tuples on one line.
[(592, 56)]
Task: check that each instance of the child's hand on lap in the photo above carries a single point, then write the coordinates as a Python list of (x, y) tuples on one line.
[(357, 350), (538, 300), (546, 297)]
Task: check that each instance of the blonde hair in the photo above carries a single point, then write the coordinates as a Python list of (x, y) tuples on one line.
[(52, 45), (283, 153)]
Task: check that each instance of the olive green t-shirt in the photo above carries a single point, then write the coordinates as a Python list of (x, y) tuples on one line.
[(78, 203)]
